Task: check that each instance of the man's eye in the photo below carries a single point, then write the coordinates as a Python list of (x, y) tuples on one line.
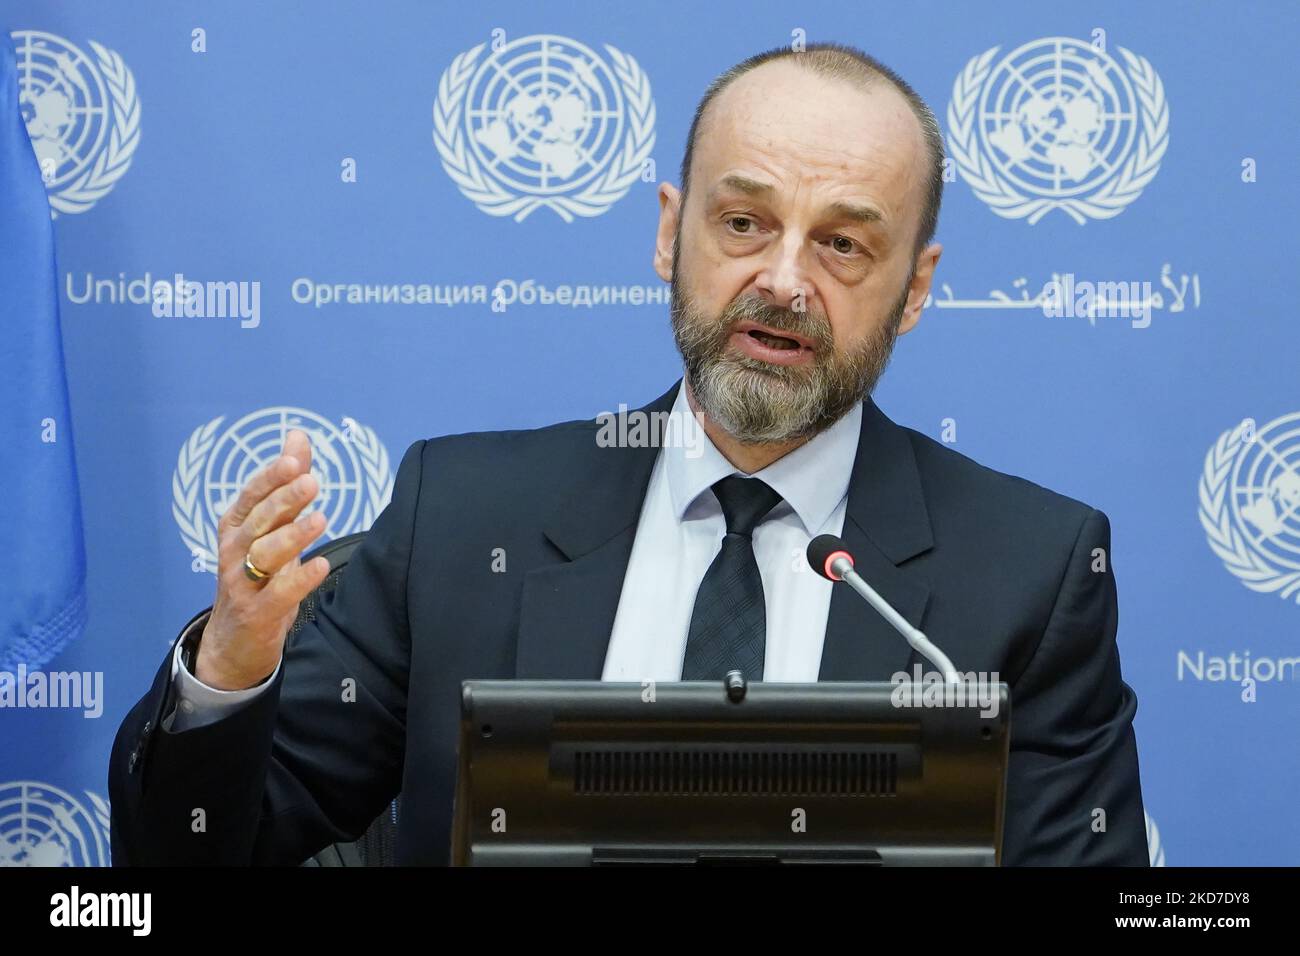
[(741, 224), (843, 245)]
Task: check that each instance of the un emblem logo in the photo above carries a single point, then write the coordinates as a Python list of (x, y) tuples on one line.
[(544, 121), (1057, 124), (82, 115), (1250, 504), (349, 463), (41, 825)]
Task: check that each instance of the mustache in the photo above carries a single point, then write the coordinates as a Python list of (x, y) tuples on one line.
[(813, 326)]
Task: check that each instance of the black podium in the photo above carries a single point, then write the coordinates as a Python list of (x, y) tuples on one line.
[(594, 773)]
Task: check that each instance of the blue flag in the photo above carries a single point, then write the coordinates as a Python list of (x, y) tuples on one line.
[(42, 552)]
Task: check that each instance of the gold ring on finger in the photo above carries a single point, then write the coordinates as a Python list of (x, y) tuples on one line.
[(252, 570)]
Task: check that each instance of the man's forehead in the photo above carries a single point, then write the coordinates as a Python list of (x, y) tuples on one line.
[(782, 121)]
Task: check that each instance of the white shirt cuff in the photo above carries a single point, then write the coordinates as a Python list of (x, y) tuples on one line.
[(198, 704)]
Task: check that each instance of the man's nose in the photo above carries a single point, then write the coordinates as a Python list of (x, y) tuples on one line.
[(783, 279)]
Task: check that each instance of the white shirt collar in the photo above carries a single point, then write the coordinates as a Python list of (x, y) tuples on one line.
[(813, 479)]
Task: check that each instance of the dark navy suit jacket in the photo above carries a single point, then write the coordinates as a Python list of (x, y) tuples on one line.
[(997, 570)]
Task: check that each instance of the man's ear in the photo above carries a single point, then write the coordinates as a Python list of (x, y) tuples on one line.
[(920, 286), (670, 202)]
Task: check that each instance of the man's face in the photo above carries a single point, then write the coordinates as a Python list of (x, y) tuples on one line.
[(792, 263)]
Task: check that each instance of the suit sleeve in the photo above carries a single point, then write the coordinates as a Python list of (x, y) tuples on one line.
[(309, 762), (1073, 793)]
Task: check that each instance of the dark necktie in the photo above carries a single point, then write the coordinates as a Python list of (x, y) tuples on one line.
[(729, 623)]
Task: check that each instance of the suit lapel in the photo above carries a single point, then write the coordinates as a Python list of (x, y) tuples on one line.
[(885, 524), (568, 609)]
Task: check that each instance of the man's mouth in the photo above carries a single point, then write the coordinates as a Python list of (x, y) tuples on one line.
[(772, 345), (775, 341), (774, 338)]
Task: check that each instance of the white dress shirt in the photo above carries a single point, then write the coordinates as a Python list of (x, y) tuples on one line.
[(679, 533)]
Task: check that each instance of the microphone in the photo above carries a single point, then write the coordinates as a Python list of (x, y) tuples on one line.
[(830, 557)]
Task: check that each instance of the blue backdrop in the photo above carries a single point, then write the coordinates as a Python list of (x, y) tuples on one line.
[(440, 218)]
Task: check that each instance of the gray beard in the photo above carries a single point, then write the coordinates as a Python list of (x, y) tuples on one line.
[(760, 403)]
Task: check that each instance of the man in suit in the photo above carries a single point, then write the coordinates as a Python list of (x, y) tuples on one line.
[(798, 248)]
